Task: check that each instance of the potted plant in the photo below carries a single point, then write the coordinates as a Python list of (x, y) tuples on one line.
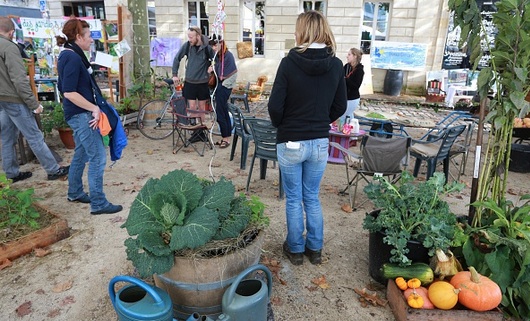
[(53, 118), (409, 214), (181, 227)]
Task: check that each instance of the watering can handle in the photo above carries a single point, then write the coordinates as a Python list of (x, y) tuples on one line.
[(124, 278), (233, 287)]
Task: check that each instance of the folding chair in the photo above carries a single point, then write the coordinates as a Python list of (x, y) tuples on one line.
[(240, 130), (192, 127), (446, 122), (264, 135), (379, 156), (435, 149)]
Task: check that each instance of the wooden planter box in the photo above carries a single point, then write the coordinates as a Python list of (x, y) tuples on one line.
[(402, 311), (129, 118), (56, 231)]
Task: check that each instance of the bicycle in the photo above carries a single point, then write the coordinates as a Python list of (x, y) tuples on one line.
[(156, 118)]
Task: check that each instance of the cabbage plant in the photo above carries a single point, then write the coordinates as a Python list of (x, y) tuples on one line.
[(181, 211)]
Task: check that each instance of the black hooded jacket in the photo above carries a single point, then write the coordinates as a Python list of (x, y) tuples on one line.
[(308, 94)]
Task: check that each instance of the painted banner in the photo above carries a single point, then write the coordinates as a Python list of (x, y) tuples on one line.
[(398, 55), (163, 50), (48, 28)]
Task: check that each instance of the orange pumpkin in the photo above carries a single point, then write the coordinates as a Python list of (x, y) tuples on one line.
[(401, 283), (421, 291), (477, 292)]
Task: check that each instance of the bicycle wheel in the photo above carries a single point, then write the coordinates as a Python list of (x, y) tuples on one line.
[(155, 120)]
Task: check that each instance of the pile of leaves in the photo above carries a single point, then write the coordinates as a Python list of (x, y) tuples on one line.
[(179, 211)]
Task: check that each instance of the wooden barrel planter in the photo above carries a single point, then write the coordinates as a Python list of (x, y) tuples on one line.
[(198, 284)]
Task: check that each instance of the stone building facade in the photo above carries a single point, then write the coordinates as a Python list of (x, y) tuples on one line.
[(406, 21)]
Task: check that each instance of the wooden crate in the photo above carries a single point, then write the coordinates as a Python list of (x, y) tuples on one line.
[(402, 311)]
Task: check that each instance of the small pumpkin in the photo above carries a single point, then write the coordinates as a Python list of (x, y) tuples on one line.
[(415, 300), (443, 295), (414, 283), (423, 292), (401, 283), (477, 292)]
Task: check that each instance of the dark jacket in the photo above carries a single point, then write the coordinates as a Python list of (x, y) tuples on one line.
[(14, 82), (199, 59), (308, 94), (353, 80)]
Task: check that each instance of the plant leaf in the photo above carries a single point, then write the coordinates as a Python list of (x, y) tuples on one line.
[(198, 229), (145, 262)]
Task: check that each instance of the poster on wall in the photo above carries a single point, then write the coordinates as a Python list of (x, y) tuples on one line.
[(163, 50), (398, 55), (48, 28), (456, 56)]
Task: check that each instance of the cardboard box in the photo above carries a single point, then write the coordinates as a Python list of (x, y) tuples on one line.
[(402, 311)]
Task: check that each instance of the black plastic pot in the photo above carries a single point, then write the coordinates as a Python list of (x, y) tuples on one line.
[(379, 253), (520, 158)]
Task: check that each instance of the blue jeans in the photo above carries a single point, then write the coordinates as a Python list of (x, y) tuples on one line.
[(88, 148), (17, 118), (302, 170), (221, 108)]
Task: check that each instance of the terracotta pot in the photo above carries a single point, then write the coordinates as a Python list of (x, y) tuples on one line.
[(67, 137), (198, 284)]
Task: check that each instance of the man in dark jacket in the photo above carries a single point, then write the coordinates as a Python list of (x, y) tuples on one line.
[(16, 105), (199, 53)]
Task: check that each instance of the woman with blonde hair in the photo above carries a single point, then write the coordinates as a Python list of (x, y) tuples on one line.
[(309, 93), (354, 74)]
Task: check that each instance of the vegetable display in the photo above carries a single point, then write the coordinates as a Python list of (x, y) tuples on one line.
[(477, 292), (472, 290)]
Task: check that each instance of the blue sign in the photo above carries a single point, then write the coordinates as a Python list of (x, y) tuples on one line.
[(95, 34), (42, 5), (397, 55)]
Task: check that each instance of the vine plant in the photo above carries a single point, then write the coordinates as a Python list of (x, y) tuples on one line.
[(507, 74)]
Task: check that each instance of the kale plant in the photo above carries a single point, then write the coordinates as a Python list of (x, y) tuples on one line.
[(413, 211), (180, 211)]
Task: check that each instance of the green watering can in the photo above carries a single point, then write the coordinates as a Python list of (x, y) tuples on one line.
[(247, 300), (140, 301)]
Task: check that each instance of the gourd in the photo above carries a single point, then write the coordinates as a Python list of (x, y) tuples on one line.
[(401, 283), (414, 283), (477, 292), (420, 271), (415, 300), (445, 264), (423, 292), (443, 295)]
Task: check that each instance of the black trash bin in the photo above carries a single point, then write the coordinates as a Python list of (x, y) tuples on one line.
[(393, 82), (520, 158)]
